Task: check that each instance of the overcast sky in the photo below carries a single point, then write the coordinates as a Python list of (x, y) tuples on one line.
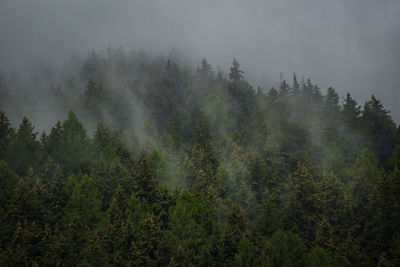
[(352, 45)]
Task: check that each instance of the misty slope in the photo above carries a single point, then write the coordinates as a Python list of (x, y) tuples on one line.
[(187, 166)]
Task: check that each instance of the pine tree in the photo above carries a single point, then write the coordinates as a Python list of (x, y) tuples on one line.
[(351, 111), (8, 182), (30, 216), (80, 222), (284, 89), (51, 144), (379, 128), (284, 249), (84, 203), (236, 74), (117, 232), (190, 226), (206, 71), (22, 153), (302, 204), (234, 229), (76, 149), (5, 134), (331, 116), (295, 85), (366, 228)]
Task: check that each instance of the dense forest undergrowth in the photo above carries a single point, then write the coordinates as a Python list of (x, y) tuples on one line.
[(192, 167)]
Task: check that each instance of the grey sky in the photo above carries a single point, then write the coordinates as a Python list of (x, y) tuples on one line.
[(352, 45)]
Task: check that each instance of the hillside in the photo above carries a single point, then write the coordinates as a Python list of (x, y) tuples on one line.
[(154, 163)]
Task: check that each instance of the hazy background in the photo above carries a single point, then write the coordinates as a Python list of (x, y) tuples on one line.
[(352, 45)]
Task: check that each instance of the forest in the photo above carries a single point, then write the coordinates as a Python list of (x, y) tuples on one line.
[(156, 163)]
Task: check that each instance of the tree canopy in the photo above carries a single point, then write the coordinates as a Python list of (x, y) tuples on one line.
[(159, 164)]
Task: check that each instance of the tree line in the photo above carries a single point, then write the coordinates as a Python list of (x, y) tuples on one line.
[(192, 167)]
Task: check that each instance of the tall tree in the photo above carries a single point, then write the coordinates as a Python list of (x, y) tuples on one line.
[(351, 111), (331, 116), (379, 128), (191, 225), (302, 208), (22, 153), (236, 74), (76, 148), (295, 85), (233, 232), (5, 133)]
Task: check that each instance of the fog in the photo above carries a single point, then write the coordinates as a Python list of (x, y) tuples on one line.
[(351, 45)]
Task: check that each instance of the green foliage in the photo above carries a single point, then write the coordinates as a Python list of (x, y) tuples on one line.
[(135, 212), (52, 143), (319, 258), (22, 152), (191, 225), (76, 148), (26, 234), (29, 246), (268, 173), (247, 254), (334, 162), (351, 111), (233, 232), (236, 74), (158, 165), (117, 231), (32, 201), (216, 112), (366, 167), (280, 177), (284, 249), (8, 181), (303, 204), (379, 129), (268, 221), (84, 204), (5, 133), (394, 161)]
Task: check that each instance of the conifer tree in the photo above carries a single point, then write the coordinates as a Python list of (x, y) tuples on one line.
[(351, 111), (236, 74), (379, 128), (5, 134), (22, 153), (303, 205), (76, 148), (190, 227), (233, 232)]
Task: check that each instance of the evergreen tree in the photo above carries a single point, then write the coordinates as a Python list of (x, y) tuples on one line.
[(80, 222), (288, 178), (30, 216), (233, 232), (284, 89), (366, 228), (51, 144), (5, 134), (379, 128), (190, 228), (22, 153), (76, 149), (206, 71), (236, 74), (295, 85), (351, 111), (84, 203), (302, 205), (284, 249), (117, 232), (331, 118)]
